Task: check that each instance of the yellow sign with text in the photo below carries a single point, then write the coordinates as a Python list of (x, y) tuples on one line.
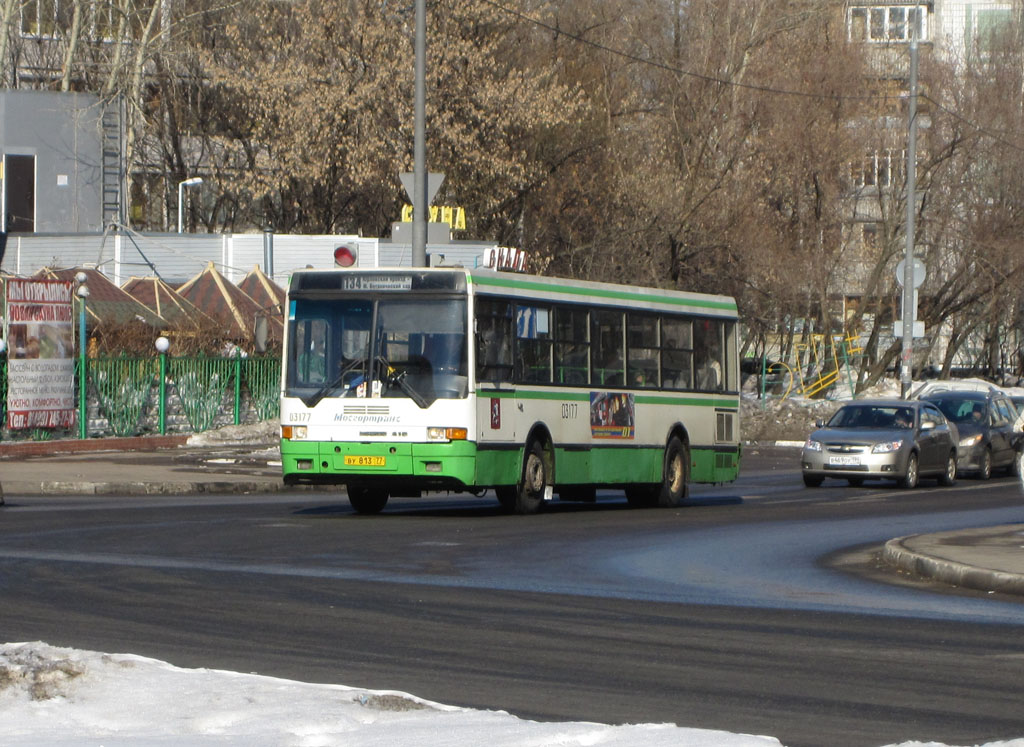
[(453, 216)]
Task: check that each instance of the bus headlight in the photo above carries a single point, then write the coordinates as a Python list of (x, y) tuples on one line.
[(437, 433), (293, 432)]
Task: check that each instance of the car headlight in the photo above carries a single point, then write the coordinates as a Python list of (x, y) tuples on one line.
[(969, 441), (812, 445), (887, 447)]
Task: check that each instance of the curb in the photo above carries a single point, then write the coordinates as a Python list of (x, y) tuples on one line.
[(71, 446), (118, 489), (950, 572), (150, 488)]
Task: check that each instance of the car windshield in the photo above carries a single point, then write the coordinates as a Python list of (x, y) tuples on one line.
[(873, 416), (961, 410)]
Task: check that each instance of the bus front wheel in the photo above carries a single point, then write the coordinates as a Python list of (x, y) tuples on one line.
[(367, 500), (533, 482)]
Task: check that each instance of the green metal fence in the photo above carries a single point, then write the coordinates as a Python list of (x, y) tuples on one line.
[(123, 387), (133, 396)]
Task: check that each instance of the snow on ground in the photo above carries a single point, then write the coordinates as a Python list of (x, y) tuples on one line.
[(60, 697)]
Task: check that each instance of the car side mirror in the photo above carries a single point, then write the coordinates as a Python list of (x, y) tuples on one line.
[(927, 425), (819, 423)]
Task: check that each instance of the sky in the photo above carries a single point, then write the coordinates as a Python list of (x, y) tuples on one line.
[(61, 697)]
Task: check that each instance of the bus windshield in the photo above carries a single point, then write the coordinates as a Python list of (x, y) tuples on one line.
[(378, 347)]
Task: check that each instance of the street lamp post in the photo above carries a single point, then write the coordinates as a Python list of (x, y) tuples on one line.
[(83, 401), (162, 345), (194, 181)]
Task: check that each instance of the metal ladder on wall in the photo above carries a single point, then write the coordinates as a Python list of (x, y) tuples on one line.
[(112, 164)]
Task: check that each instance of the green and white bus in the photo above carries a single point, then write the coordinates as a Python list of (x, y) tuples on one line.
[(401, 381)]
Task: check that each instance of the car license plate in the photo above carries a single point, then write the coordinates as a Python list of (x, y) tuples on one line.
[(355, 460), (845, 461)]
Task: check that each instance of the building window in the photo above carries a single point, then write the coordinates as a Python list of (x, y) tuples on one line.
[(982, 29), (882, 169), (887, 23)]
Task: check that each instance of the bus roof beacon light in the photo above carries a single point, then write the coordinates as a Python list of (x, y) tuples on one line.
[(344, 256)]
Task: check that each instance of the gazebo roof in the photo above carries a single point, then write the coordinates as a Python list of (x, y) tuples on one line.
[(225, 303), (157, 295), (106, 303)]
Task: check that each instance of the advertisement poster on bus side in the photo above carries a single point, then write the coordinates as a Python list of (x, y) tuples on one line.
[(612, 415), (38, 329)]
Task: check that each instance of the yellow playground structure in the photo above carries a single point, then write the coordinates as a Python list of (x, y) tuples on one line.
[(817, 365)]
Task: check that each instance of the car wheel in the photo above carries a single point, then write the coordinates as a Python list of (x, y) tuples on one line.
[(949, 476), (985, 469), (909, 480), (813, 481), (855, 482)]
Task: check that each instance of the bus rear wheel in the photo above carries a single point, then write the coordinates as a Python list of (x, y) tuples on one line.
[(674, 485), (367, 500), (675, 474)]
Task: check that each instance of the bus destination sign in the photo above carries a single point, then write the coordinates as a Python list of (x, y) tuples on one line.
[(377, 282)]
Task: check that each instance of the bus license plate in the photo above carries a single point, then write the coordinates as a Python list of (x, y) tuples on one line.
[(846, 461), (354, 460)]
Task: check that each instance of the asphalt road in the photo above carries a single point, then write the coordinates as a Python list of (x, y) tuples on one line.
[(759, 609)]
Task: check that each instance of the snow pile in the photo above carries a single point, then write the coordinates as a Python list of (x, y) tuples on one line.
[(791, 419), (58, 697), (265, 433)]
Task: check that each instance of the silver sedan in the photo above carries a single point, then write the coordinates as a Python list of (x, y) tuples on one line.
[(899, 440)]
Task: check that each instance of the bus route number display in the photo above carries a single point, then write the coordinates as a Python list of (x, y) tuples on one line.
[(377, 282)]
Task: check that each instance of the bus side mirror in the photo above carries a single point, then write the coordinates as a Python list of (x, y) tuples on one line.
[(260, 334)]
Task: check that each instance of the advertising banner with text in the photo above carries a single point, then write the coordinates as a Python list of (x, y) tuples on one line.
[(40, 354)]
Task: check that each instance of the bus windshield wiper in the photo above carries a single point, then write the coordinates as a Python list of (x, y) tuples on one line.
[(320, 393), (392, 377)]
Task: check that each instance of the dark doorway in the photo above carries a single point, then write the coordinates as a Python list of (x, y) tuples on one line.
[(20, 175)]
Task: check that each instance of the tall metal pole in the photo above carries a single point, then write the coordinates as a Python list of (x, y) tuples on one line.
[(909, 310), (83, 375), (419, 201)]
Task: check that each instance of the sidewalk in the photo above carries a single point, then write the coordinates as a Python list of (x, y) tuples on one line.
[(989, 559), (242, 460), (147, 465)]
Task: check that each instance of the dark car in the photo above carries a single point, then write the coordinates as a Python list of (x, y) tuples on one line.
[(899, 440), (985, 422)]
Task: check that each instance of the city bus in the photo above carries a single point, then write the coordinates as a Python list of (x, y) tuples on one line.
[(399, 382)]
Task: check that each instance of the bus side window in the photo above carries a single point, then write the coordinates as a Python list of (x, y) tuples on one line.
[(677, 353), (533, 344), (642, 351), (707, 346), (572, 346), (493, 340), (607, 340)]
